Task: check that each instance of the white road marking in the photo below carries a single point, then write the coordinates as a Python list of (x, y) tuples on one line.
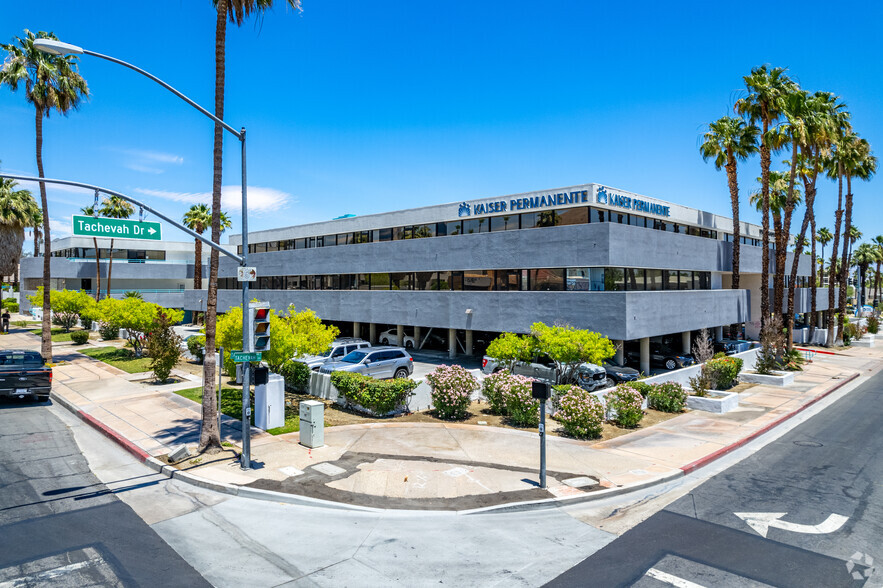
[(762, 521), (45, 576), (670, 579)]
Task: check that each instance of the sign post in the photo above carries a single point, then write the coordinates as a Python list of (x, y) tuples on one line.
[(541, 391), (119, 228)]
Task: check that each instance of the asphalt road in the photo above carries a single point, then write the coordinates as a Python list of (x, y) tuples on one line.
[(822, 484), (59, 525)]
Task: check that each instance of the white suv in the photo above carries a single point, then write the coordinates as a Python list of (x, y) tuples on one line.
[(339, 348)]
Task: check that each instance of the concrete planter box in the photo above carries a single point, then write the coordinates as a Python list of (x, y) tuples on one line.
[(774, 379), (867, 340), (717, 401)]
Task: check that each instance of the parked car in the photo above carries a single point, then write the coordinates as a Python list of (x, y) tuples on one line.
[(377, 362), (339, 348), (661, 355), (731, 346), (391, 337), (589, 376), (24, 373), (620, 373)]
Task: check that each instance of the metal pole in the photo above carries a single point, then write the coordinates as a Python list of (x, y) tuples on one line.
[(542, 443), (247, 341), (220, 384)]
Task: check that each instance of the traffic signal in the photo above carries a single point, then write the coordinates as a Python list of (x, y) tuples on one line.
[(260, 325)]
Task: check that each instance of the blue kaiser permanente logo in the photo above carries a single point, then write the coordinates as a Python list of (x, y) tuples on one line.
[(602, 195), (464, 210)]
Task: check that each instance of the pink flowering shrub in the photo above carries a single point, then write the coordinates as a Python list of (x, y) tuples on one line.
[(509, 395), (626, 403), (491, 390), (580, 413), (452, 388)]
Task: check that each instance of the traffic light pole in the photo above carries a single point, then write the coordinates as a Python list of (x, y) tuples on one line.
[(247, 333)]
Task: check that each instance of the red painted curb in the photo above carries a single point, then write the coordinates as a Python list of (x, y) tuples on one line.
[(704, 461), (817, 351), (114, 436)]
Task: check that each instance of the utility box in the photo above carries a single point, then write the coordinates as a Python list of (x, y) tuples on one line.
[(312, 423), (269, 403)]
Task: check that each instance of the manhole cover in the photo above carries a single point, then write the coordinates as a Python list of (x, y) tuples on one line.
[(808, 443)]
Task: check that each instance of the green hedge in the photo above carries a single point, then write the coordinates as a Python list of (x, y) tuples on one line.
[(196, 347), (642, 387), (667, 397), (723, 372), (379, 396), (80, 337), (296, 374)]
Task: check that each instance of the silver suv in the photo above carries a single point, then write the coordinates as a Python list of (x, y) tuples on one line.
[(339, 348), (377, 362), (588, 375)]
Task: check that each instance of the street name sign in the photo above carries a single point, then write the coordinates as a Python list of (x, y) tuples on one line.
[(245, 356), (88, 226)]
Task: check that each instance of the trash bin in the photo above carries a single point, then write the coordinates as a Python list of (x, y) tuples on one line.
[(312, 423), (269, 403)]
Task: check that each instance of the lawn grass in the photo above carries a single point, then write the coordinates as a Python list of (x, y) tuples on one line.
[(123, 359), (231, 405), (58, 335)]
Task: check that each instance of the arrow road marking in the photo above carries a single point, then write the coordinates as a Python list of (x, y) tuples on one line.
[(762, 521)]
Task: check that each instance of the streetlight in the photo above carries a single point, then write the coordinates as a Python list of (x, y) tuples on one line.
[(55, 47)]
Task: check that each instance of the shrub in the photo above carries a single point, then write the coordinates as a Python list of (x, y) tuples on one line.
[(296, 374), (11, 304), (873, 324), (452, 388), (109, 331), (581, 414), (164, 347), (626, 403), (381, 397), (643, 388), (558, 392), (21, 324), (720, 355), (667, 397), (196, 347), (80, 337), (723, 372), (510, 396), (793, 361), (700, 383)]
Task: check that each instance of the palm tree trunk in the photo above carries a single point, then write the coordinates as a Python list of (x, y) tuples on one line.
[(197, 273), (732, 182), (36, 241), (210, 435), (877, 281), (814, 277), (838, 216), (109, 267), (782, 252), (798, 252), (765, 254), (46, 339), (97, 271), (844, 270)]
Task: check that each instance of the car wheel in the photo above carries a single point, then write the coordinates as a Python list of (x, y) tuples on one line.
[(409, 345), (670, 364), (384, 341), (401, 373), (609, 382)]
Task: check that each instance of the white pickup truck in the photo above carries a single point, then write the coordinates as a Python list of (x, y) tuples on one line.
[(589, 376)]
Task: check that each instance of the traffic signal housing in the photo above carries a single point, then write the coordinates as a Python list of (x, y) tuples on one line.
[(260, 325)]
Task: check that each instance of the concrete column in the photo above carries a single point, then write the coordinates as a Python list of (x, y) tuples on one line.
[(357, 329), (820, 317), (618, 358), (685, 342), (400, 335), (469, 342), (718, 333), (372, 333), (452, 343), (416, 337), (645, 356)]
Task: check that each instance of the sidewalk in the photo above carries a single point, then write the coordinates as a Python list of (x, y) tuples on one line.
[(429, 465)]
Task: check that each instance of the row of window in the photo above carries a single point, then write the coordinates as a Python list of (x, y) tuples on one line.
[(599, 279), (89, 253), (528, 220)]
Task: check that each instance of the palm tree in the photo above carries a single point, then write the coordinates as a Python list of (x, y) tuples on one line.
[(90, 211), (865, 255), (727, 141), (114, 207), (878, 244), (237, 11), (198, 219), (824, 237), (767, 88), (799, 243), (51, 83), (834, 167), (18, 211)]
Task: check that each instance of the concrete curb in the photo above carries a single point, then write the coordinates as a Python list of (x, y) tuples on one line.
[(295, 499)]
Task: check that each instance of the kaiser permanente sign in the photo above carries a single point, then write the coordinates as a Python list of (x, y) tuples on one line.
[(87, 226)]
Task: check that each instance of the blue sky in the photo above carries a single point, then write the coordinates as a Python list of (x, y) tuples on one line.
[(355, 107)]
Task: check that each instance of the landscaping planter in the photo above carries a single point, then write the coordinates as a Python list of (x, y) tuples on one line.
[(716, 401), (867, 340), (774, 379)]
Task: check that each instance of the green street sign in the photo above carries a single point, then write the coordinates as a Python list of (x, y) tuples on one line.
[(122, 228), (245, 356)]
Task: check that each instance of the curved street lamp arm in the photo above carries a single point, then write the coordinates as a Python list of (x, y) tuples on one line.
[(190, 232)]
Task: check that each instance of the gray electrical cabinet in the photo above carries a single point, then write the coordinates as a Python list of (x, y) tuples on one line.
[(312, 423), (269, 403)]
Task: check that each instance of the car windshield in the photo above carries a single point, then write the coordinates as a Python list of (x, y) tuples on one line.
[(21, 359), (612, 363), (354, 357)]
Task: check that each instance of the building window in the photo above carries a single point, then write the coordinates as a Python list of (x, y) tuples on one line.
[(441, 281), (476, 225), (614, 279), (423, 280), (653, 279), (546, 279), (478, 280), (423, 231), (634, 279), (449, 228), (380, 281), (574, 216), (577, 279), (401, 281), (685, 280), (548, 218), (504, 223), (507, 280)]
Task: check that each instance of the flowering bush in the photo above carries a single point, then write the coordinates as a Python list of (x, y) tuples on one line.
[(511, 396), (667, 397), (580, 413), (722, 372), (491, 390), (379, 397), (643, 387), (452, 388), (626, 403)]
